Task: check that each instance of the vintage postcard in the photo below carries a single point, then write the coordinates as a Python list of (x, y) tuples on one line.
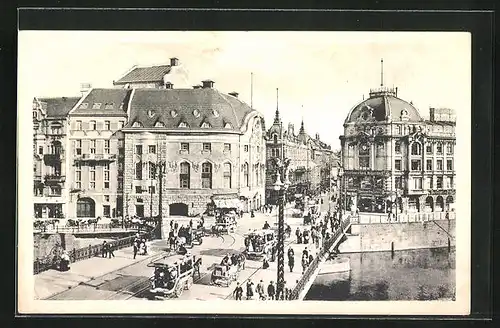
[(244, 172)]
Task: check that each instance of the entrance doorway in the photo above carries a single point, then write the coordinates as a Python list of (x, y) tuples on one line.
[(180, 209), (85, 208)]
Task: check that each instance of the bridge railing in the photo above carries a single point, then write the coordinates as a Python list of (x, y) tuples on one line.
[(317, 261), (48, 262), (364, 218), (98, 227)]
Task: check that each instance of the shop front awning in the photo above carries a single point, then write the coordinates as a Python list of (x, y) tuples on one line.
[(226, 201)]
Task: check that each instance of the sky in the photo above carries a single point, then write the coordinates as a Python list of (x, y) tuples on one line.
[(320, 75)]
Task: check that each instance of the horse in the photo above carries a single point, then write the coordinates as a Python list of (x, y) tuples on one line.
[(72, 223), (93, 221), (197, 266)]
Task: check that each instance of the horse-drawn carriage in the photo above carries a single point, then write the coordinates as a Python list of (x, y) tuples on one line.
[(172, 275), (225, 273), (261, 243)]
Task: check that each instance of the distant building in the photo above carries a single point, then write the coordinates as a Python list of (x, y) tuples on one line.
[(389, 149), (211, 145), (95, 161), (311, 159), (50, 153)]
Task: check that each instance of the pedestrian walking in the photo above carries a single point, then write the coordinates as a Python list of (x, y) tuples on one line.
[(271, 290), (176, 226), (305, 252), (238, 292), (136, 249), (104, 249), (260, 290), (191, 223), (171, 225), (305, 262), (297, 233), (291, 259), (110, 250), (249, 290)]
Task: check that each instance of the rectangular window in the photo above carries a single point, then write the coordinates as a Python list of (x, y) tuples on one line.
[(184, 146), (439, 149), (439, 165), (138, 149), (106, 211), (398, 182), (364, 162), (151, 189), (139, 210), (92, 146), (439, 183), (79, 125), (152, 149), (107, 125), (93, 125), (227, 175), (397, 165), (207, 146), (152, 170), (97, 106), (40, 150), (138, 171), (428, 149), (449, 149), (138, 189), (227, 147), (78, 176), (416, 165), (78, 185), (245, 148), (417, 183), (78, 147), (206, 175), (185, 175), (397, 147), (92, 185), (121, 125), (106, 146), (449, 165), (428, 166)]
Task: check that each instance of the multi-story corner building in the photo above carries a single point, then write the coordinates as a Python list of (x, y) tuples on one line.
[(310, 159), (208, 145), (95, 162), (49, 155), (156, 77), (390, 152)]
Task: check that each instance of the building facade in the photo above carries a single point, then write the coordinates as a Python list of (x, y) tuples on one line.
[(95, 161), (392, 155), (310, 159), (50, 128), (208, 147)]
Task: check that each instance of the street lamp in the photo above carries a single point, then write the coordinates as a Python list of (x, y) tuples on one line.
[(281, 187)]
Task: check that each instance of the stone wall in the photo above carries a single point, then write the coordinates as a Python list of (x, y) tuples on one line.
[(410, 235), (44, 244)]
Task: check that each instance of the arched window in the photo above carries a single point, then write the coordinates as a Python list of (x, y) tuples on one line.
[(275, 138), (257, 180), (245, 174), (364, 155), (227, 175), (206, 175), (416, 148), (185, 175), (85, 208)]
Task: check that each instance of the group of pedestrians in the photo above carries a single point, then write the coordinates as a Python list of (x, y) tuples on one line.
[(140, 246), (107, 250), (262, 292)]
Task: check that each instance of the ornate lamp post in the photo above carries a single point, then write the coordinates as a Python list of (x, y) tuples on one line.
[(281, 187), (342, 197)]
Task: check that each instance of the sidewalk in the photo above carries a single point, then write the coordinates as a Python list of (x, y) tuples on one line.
[(52, 282)]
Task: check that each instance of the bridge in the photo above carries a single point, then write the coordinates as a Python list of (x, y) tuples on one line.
[(98, 228)]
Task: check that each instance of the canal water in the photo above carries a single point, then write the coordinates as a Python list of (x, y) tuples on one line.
[(424, 274)]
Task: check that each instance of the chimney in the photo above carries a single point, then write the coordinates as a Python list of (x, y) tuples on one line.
[(84, 87), (234, 94), (169, 85), (174, 61), (317, 136), (197, 86), (208, 84)]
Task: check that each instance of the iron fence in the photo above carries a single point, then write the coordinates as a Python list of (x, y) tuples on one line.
[(43, 264), (317, 261)]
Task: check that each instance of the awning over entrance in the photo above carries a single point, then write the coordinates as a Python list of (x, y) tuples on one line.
[(226, 201)]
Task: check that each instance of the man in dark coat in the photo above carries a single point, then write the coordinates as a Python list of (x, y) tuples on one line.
[(238, 292), (291, 259), (271, 290)]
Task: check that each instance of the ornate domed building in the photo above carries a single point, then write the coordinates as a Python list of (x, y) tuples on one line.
[(392, 155)]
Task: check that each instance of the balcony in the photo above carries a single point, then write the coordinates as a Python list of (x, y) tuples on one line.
[(95, 158), (54, 178)]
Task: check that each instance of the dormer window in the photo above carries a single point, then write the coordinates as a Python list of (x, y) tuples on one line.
[(84, 105), (151, 113), (173, 113), (205, 125), (215, 113), (196, 113), (137, 125), (228, 126), (108, 106), (183, 125), (97, 106), (404, 115), (159, 125)]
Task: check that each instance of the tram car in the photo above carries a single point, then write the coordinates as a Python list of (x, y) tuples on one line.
[(260, 243), (224, 224), (172, 275), (223, 274)]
